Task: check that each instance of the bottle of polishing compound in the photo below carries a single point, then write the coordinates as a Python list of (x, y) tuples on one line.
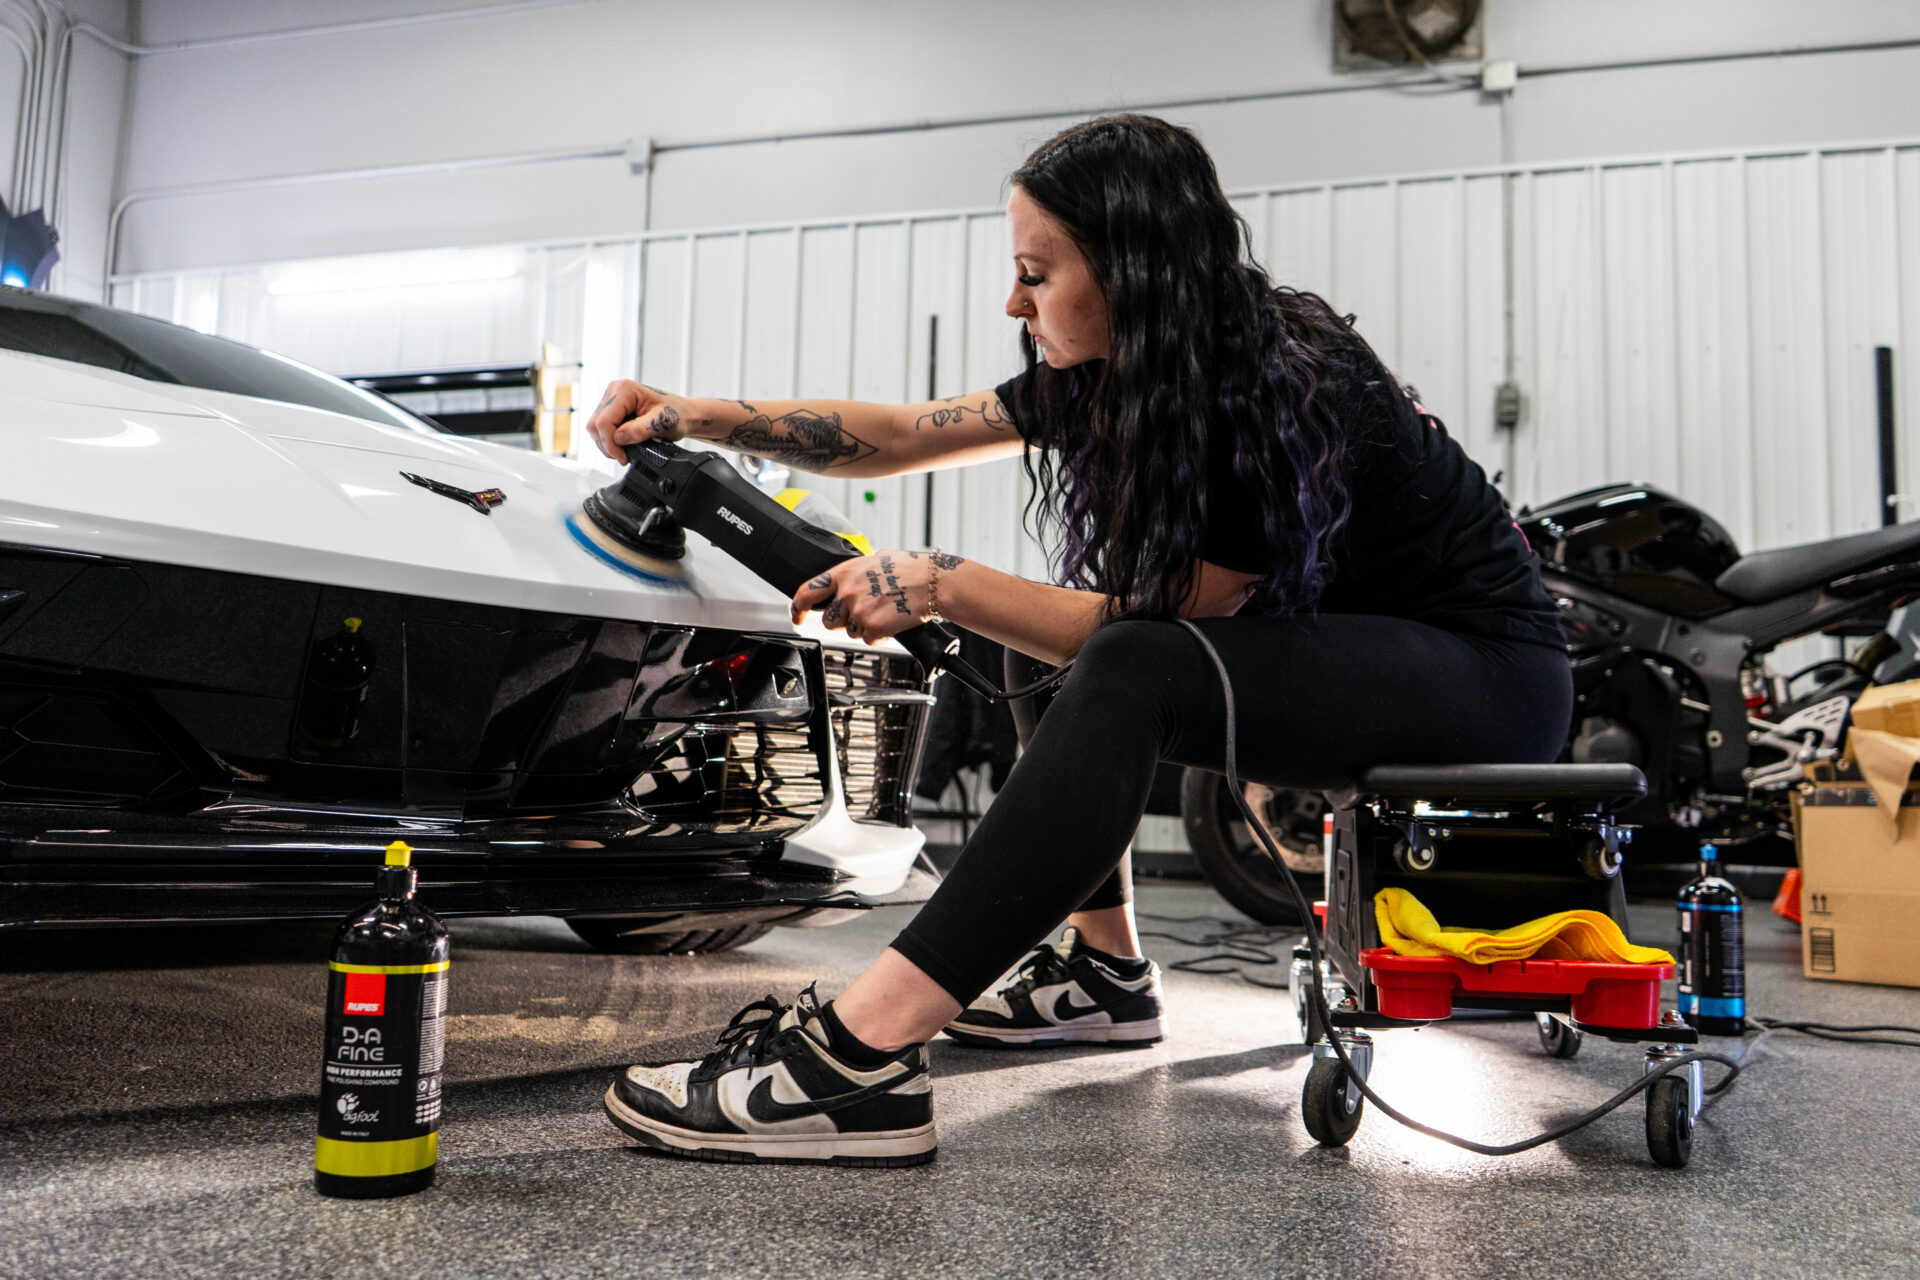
[(1713, 976), (386, 1031)]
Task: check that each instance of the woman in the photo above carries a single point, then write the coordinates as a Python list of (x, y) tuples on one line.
[(1208, 447)]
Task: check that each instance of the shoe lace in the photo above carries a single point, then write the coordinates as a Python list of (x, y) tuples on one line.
[(748, 1038), (1043, 965)]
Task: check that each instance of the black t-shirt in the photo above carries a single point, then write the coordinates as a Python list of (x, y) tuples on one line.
[(1427, 538)]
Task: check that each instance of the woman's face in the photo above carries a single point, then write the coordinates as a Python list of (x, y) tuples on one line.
[(1053, 289)]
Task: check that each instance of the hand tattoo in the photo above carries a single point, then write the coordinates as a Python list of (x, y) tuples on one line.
[(895, 591), (989, 411), (809, 441), (873, 584), (822, 582), (667, 420), (945, 562), (834, 613)]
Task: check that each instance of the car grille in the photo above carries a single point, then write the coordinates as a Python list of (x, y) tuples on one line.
[(736, 779), (878, 742)]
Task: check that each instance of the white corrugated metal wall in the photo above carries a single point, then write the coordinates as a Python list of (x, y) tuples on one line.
[(1702, 323)]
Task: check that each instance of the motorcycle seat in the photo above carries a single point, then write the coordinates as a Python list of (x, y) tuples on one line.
[(1768, 575), (1444, 785)]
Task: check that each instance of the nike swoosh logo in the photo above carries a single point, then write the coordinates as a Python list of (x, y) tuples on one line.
[(762, 1107), (1064, 1008)]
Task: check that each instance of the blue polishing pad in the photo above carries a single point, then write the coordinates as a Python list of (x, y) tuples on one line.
[(592, 547)]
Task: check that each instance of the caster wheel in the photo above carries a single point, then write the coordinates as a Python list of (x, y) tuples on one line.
[(1670, 1121), (1556, 1037), (1329, 1107)]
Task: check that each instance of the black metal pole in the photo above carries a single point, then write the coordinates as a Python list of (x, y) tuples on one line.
[(1889, 467), (933, 379)]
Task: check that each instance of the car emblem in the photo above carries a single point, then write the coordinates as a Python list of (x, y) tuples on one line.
[(483, 500)]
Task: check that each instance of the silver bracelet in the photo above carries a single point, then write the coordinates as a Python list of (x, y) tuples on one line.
[(933, 589)]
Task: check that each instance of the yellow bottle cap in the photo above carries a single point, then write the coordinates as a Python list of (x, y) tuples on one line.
[(398, 852), (351, 625)]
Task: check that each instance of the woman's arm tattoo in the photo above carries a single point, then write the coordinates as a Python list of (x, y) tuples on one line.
[(800, 439), (989, 411)]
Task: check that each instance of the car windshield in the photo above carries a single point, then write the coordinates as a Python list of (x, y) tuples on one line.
[(42, 325)]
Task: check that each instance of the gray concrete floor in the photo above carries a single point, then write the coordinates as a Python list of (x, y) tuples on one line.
[(155, 1119)]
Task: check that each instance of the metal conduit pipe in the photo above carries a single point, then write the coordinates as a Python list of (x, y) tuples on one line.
[(21, 124), (338, 28), (25, 142), (1432, 82), (57, 199)]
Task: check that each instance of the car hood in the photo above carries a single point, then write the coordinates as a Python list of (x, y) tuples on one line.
[(108, 464)]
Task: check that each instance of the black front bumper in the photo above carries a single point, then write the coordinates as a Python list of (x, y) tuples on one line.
[(182, 743)]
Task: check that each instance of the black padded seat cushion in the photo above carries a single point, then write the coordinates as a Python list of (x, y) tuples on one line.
[(1442, 783), (1768, 575)]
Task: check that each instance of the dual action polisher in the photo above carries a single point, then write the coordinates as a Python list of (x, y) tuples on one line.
[(639, 524)]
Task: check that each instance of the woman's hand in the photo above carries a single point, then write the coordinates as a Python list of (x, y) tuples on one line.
[(873, 597), (631, 412)]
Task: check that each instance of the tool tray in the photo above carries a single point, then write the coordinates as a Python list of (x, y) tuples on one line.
[(1421, 988)]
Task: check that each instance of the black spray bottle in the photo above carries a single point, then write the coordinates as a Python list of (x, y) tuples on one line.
[(1713, 974), (386, 1031)]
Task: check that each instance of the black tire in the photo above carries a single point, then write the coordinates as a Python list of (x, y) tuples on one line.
[(1233, 860), (1323, 1104), (1557, 1038), (612, 936), (1670, 1121)]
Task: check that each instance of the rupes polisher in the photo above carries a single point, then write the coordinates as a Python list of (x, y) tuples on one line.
[(639, 526)]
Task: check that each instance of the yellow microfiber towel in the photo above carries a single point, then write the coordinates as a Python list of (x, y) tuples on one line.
[(1409, 929)]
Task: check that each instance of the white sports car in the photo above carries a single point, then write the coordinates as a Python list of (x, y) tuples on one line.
[(256, 622)]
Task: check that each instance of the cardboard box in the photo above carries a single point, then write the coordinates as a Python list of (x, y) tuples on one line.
[(1859, 880), (1890, 708)]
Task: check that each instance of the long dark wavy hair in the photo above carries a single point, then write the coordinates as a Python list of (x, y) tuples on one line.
[(1201, 343)]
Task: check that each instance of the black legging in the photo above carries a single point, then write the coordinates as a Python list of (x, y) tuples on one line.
[(1020, 670), (1316, 702)]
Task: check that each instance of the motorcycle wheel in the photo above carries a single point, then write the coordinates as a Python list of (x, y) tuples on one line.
[(1234, 862)]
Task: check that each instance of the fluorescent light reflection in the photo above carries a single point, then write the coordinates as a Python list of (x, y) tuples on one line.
[(132, 435), (395, 270)]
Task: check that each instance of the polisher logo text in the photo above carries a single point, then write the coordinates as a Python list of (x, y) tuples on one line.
[(745, 529), (366, 995)]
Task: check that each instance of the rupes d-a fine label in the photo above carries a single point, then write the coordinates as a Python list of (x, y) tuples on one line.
[(380, 1083), (379, 1131)]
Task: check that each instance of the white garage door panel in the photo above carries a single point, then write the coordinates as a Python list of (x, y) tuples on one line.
[(1703, 322)]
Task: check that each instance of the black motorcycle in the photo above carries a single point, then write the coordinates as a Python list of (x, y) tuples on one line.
[(1668, 628)]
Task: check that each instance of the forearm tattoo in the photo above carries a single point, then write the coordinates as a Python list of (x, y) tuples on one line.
[(800, 439), (989, 411), (945, 561)]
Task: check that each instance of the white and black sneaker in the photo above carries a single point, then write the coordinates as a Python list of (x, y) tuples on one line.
[(1067, 993), (776, 1090)]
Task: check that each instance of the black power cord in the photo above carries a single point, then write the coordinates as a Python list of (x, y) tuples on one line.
[(1318, 996)]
